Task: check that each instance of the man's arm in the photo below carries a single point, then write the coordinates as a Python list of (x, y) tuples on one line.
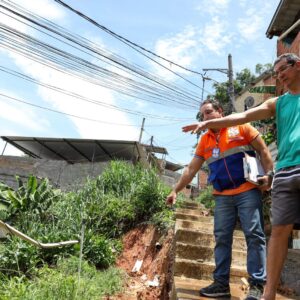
[(266, 160), (186, 177), (264, 111)]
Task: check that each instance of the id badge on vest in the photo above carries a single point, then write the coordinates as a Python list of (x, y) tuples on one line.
[(216, 152)]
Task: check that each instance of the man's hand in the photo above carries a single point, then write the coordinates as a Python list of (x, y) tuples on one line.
[(265, 183), (195, 128), (171, 198)]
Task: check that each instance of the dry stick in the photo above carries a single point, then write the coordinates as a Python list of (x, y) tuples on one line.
[(25, 237), (80, 255)]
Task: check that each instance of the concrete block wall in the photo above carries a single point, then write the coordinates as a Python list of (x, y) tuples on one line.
[(65, 176), (60, 173)]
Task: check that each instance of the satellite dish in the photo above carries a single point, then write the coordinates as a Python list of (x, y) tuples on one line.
[(249, 101)]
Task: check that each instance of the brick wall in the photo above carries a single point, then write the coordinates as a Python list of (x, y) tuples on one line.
[(285, 48)]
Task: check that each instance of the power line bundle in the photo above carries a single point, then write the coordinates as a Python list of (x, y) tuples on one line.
[(148, 88)]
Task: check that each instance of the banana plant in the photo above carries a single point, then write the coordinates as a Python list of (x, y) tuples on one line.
[(35, 195), (4, 202)]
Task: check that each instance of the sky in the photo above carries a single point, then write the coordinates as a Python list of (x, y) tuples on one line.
[(81, 93)]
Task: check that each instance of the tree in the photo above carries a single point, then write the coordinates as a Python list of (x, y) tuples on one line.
[(243, 79), (260, 68)]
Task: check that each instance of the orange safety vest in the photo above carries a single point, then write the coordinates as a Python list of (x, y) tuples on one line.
[(224, 154)]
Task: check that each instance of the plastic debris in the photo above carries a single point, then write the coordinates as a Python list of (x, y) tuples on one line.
[(154, 282), (137, 266)]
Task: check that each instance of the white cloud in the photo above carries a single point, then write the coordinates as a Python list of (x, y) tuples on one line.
[(6, 148), (44, 8), (250, 27), (215, 35), (181, 49), (67, 104), (243, 3), (20, 114), (87, 129), (213, 7)]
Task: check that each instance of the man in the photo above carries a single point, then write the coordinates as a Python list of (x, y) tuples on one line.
[(223, 150), (286, 183)]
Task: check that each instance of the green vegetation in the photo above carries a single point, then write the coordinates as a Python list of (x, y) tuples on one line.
[(106, 207), (63, 283), (243, 79), (206, 198)]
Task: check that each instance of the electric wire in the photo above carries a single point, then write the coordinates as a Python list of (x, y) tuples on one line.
[(86, 99), (42, 48), (75, 116), (33, 48), (123, 39), (73, 38)]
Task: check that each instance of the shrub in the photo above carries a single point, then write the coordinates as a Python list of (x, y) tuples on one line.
[(64, 283), (206, 198), (18, 257), (119, 178), (100, 251), (123, 196), (149, 197)]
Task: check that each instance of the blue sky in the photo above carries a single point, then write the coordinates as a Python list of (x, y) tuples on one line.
[(194, 34)]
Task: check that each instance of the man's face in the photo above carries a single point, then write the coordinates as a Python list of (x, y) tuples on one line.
[(286, 72), (208, 112)]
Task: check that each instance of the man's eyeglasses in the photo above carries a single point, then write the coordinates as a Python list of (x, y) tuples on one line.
[(283, 68)]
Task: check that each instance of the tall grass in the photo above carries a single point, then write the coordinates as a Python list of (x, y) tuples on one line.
[(120, 198), (62, 283)]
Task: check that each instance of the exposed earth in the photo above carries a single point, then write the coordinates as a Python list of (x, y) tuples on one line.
[(155, 251), (153, 280)]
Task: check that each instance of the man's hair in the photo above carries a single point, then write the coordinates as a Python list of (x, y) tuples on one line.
[(215, 104), (291, 58)]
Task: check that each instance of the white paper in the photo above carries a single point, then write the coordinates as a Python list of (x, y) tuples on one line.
[(252, 169)]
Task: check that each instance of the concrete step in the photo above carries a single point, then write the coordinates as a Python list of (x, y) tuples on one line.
[(198, 270), (205, 239), (193, 217), (188, 289), (191, 205), (206, 254), (201, 226), (192, 212)]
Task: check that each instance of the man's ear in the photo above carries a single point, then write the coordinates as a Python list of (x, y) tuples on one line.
[(297, 63)]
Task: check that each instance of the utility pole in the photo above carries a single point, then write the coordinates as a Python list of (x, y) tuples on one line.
[(229, 73), (142, 129), (203, 84), (230, 79)]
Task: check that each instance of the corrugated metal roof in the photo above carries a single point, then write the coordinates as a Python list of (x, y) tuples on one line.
[(74, 150), (80, 150), (287, 13)]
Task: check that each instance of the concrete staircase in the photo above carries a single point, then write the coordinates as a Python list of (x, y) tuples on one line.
[(194, 255)]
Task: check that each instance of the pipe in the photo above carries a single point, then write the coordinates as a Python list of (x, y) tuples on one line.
[(289, 30), (12, 230)]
